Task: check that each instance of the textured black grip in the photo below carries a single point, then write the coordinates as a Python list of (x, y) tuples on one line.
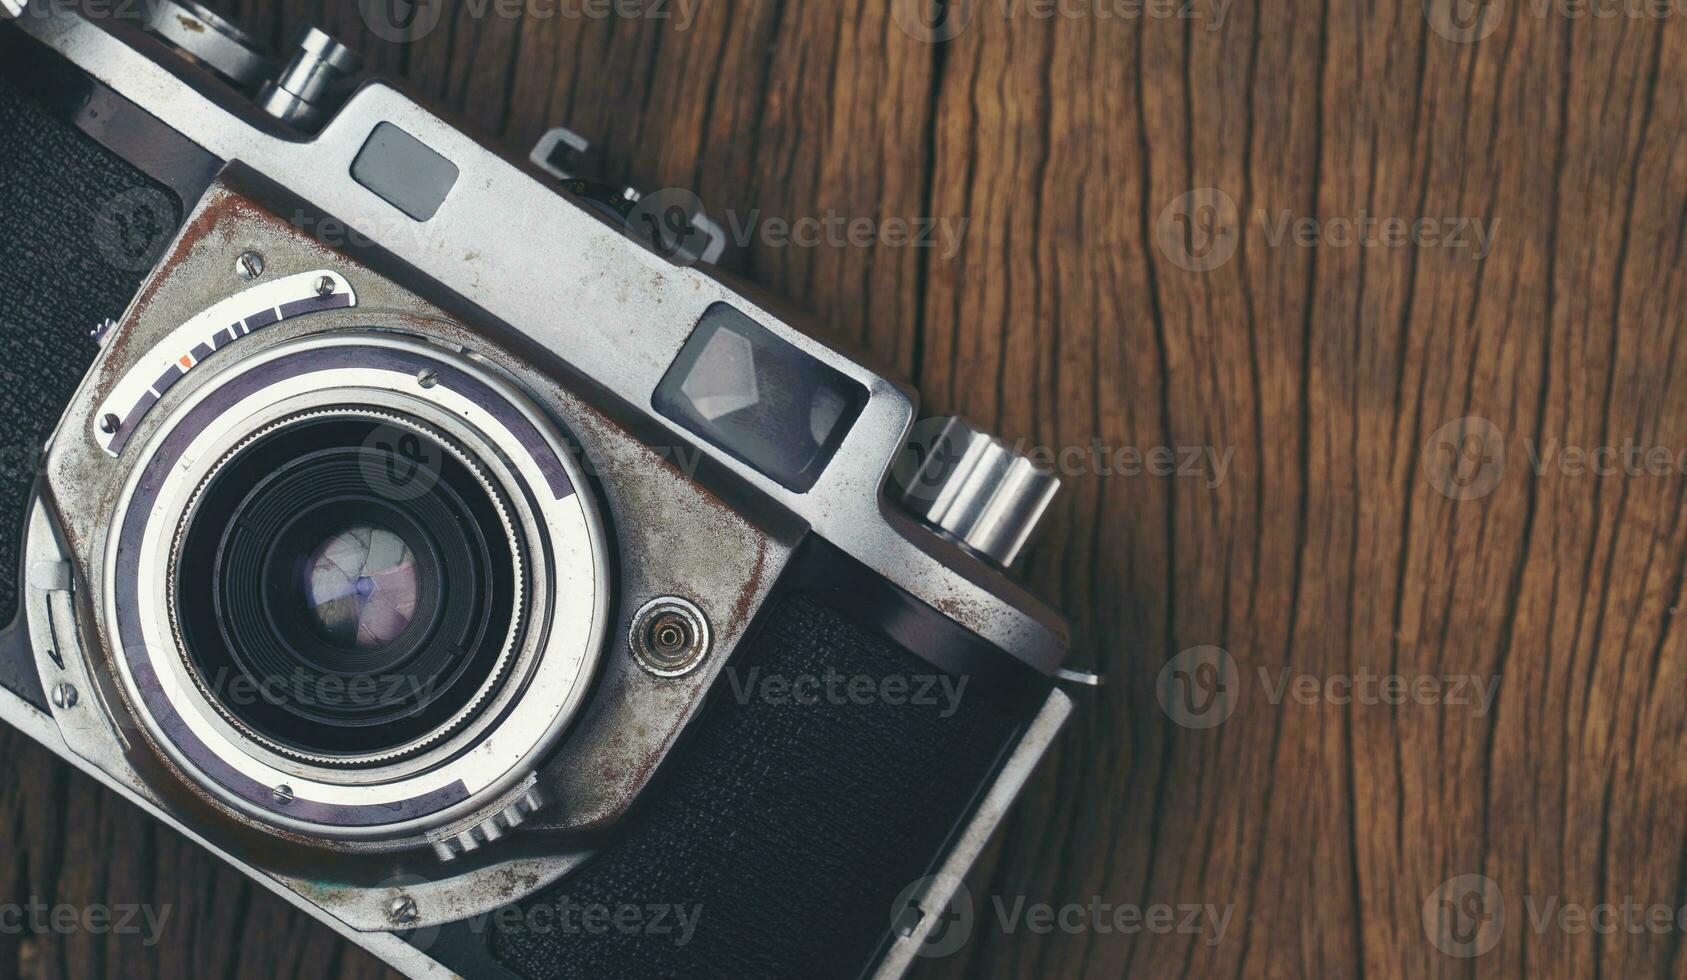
[(81, 227), (787, 829)]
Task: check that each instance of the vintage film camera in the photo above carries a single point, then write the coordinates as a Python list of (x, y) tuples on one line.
[(406, 526)]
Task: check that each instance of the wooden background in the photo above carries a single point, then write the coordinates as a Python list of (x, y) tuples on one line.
[(1335, 546)]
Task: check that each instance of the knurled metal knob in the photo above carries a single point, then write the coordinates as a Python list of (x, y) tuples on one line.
[(513, 815), (314, 81), (974, 488)]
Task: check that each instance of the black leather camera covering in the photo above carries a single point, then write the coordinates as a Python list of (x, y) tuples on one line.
[(76, 256), (788, 829)]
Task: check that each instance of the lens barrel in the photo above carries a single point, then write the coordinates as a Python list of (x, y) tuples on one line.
[(346, 584)]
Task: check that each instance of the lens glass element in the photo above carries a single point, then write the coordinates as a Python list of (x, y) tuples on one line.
[(361, 586)]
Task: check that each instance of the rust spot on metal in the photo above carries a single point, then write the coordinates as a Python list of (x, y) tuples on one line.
[(750, 594)]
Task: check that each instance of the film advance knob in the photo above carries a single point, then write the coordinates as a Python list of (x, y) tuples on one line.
[(974, 488), (313, 83)]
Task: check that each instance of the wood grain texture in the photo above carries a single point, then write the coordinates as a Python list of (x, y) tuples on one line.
[(1331, 376)]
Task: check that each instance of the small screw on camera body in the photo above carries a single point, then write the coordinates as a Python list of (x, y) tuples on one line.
[(249, 266), (64, 696), (402, 910)]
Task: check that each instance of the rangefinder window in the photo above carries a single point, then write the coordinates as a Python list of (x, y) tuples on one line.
[(760, 398)]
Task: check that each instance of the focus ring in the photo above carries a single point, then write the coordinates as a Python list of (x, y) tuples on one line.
[(182, 544)]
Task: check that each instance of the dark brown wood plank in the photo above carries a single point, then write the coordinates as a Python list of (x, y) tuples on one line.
[(1331, 379)]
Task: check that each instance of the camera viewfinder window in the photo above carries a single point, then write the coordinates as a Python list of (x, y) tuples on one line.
[(759, 398)]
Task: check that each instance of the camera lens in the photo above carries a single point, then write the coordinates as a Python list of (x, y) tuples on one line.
[(360, 584), (347, 584)]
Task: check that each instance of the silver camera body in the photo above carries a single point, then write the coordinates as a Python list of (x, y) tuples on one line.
[(612, 465)]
